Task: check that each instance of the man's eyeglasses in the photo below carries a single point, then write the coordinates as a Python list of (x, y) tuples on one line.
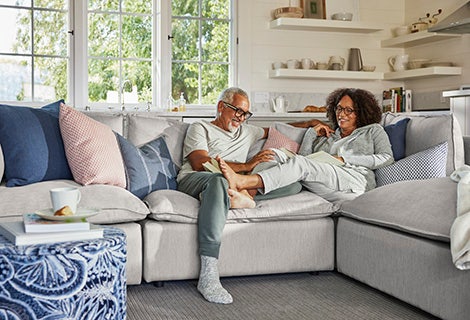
[(346, 111), (239, 113)]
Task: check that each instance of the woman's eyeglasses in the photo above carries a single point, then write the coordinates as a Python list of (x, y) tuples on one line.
[(239, 113), (346, 111)]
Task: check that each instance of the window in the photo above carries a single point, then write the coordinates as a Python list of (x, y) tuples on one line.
[(201, 36), (34, 57), (114, 53), (119, 59)]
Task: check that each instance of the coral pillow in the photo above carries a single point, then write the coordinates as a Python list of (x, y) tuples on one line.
[(278, 140), (91, 148)]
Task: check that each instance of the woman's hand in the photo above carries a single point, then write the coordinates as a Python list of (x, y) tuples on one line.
[(323, 130)]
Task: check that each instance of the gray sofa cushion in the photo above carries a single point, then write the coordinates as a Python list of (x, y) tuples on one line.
[(117, 204), (113, 120), (175, 206), (423, 207), (424, 132), (143, 128)]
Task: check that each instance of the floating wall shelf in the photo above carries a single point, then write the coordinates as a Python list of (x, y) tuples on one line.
[(323, 25)]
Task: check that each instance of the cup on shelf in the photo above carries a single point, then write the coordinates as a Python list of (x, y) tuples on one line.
[(336, 63), (68, 196), (278, 65), (292, 64), (307, 63)]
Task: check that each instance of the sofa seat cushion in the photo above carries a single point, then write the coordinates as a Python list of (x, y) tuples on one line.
[(426, 208), (117, 204), (175, 206)]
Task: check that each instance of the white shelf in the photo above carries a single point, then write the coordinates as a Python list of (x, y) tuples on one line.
[(417, 38), (423, 73), (324, 74), (323, 25)]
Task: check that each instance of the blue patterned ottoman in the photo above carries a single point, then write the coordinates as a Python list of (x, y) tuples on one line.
[(69, 280)]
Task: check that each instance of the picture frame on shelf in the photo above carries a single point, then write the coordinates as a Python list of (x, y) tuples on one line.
[(314, 9)]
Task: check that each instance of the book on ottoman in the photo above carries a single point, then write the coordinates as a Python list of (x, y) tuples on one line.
[(15, 233), (34, 223)]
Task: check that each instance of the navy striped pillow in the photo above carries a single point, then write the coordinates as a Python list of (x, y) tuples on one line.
[(149, 167)]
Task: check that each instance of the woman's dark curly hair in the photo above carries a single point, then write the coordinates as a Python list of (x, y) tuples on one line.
[(366, 106)]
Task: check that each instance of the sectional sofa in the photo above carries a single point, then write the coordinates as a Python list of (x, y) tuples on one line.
[(394, 238)]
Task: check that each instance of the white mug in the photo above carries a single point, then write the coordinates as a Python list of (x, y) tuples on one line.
[(292, 64), (307, 63), (61, 197)]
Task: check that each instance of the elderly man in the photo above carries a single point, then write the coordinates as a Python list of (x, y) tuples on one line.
[(229, 137)]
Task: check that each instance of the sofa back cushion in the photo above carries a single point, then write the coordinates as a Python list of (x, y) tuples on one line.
[(425, 131), (113, 120), (142, 128)]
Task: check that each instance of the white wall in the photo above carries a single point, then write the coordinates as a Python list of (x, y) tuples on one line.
[(259, 46)]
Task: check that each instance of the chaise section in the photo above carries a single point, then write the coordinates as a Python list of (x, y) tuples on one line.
[(414, 269)]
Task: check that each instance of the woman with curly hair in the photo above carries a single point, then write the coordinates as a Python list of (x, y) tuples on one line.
[(356, 139)]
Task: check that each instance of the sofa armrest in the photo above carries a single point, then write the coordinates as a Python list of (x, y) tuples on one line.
[(466, 147)]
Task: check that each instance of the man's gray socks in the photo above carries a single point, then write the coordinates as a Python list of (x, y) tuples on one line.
[(209, 282)]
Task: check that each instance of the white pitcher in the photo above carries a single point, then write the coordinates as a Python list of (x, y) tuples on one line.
[(398, 62), (279, 104)]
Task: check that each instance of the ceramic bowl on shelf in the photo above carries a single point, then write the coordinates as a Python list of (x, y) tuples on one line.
[(288, 12), (417, 63), (368, 68), (401, 30), (343, 16)]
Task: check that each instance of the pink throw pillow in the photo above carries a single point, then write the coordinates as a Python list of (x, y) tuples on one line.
[(91, 148), (278, 140)]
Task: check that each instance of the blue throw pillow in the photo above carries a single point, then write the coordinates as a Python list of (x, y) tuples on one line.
[(427, 164), (149, 167), (397, 135), (32, 144)]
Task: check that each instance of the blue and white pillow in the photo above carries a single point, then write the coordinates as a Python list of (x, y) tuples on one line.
[(32, 144), (427, 164), (149, 167)]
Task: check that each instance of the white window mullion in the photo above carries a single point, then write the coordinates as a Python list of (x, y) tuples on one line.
[(80, 54)]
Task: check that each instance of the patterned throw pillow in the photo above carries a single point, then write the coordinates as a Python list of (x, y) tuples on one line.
[(149, 167), (91, 148), (427, 164), (32, 145), (278, 140)]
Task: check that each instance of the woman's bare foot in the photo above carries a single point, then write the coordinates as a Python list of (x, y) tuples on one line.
[(239, 200), (239, 181)]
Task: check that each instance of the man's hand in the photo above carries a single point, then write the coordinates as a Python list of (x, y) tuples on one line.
[(262, 156)]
